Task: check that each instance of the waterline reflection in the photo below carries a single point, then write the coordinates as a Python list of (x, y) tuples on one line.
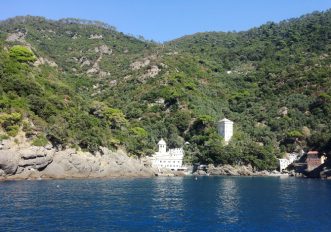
[(228, 201)]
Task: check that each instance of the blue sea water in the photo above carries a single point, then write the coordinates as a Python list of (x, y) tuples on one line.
[(167, 204)]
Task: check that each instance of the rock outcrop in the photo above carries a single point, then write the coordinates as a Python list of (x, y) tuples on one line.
[(237, 170), (8, 163), (140, 64), (17, 36), (41, 61), (229, 170), (35, 157), (46, 162)]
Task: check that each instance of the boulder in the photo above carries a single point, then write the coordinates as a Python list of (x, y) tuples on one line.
[(201, 173), (8, 162), (275, 172), (283, 111)]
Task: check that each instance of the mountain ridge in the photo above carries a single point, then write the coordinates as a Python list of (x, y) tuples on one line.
[(272, 81)]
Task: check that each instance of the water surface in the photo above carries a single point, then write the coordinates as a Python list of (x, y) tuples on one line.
[(167, 204)]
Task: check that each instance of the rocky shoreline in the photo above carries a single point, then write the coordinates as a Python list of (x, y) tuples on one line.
[(238, 170), (43, 163), (21, 161), (35, 163)]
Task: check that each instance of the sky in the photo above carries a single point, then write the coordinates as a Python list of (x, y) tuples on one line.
[(164, 20)]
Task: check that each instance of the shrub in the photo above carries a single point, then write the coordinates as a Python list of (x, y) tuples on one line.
[(3, 137), (40, 141), (294, 134), (10, 122), (10, 119), (12, 130), (22, 54), (140, 132), (114, 117)]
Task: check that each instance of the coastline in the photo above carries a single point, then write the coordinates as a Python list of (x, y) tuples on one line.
[(15, 178), (146, 172), (21, 161)]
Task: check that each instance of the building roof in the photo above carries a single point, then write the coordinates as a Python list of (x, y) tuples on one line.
[(162, 142), (312, 153), (225, 120)]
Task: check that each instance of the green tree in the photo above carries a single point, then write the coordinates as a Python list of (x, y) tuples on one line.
[(114, 117)]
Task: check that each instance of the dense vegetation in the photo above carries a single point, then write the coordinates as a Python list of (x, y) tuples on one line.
[(83, 84)]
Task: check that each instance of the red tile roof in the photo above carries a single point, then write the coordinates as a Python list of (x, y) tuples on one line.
[(312, 153)]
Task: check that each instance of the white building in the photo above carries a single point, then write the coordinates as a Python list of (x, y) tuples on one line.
[(292, 157), (171, 159), (225, 129), (285, 162)]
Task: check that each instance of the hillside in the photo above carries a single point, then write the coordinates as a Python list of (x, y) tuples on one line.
[(84, 84)]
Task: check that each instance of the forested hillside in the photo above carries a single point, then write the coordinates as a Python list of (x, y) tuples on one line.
[(79, 83)]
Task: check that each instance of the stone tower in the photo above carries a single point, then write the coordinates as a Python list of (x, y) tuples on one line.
[(162, 146), (225, 129)]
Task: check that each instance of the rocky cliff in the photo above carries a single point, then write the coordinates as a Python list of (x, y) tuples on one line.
[(23, 161)]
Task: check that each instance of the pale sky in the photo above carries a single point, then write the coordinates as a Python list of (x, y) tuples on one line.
[(163, 20)]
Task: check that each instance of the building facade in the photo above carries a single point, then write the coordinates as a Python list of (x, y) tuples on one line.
[(289, 159), (314, 160), (171, 159), (225, 129), (283, 164)]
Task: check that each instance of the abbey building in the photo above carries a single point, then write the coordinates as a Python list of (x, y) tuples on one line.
[(170, 159)]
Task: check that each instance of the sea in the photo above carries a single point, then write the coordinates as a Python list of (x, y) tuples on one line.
[(167, 204)]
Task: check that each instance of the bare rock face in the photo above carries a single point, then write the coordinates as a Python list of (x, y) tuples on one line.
[(119, 164), (41, 61), (237, 170), (73, 164), (228, 170), (35, 157), (85, 63), (245, 170), (8, 162), (18, 36), (150, 73), (96, 36), (201, 173), (104, 49), (92, 70), (283, 111), (140, 64), (68, 164), (23, 161)]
